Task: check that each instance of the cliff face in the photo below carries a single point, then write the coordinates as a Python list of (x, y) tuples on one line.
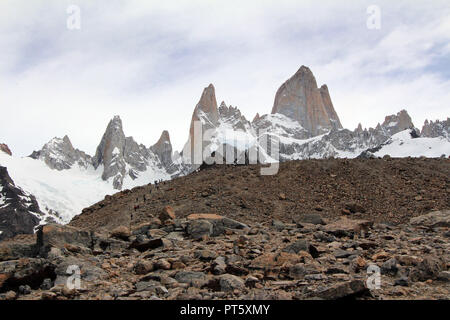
[(301, 100), (19, 211)]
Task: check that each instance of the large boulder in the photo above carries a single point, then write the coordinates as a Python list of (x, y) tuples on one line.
[(433, 219), (208, 224), (346, 290), (347, 227), (25, 271), (59, 236)]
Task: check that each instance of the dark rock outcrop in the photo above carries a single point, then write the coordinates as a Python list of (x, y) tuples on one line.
[(19, 211)]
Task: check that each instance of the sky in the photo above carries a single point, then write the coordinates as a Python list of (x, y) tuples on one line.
[(148, 61)]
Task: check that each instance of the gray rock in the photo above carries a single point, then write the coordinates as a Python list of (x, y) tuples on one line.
[(229, 282), (312, 218), (444, 276), (296, 247), (433, 219), (190, 276), (354, 288), (390, 267), (199, 228), (428, 268)]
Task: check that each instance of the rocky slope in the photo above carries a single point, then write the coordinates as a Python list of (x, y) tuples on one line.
[(303, 125), (226, 232)]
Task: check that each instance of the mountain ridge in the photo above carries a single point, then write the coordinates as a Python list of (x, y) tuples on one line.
[(303, 121)]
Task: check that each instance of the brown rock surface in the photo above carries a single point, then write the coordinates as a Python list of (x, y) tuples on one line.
[(300, 99), (4, 147)]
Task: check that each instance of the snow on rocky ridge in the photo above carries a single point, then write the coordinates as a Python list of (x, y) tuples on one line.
[(64, 180)]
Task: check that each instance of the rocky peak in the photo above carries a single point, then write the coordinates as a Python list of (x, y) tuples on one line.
[(300, 99), (256, 118), (122, 156), (207, 113), (233, 117), (163, 149), (359, 129), (208, 103), (60, 154), (435, 129), (326, 99), (110, 152), (395, 123), (206, 110), (4, 147)]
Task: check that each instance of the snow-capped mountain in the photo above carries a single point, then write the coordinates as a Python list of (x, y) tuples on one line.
[(64, 180), (304, 124)]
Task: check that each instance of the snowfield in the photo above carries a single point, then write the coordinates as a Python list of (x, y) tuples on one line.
[(403, 145), (66, 191)]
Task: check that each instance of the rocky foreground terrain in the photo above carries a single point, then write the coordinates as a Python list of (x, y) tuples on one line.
[(310, 232)]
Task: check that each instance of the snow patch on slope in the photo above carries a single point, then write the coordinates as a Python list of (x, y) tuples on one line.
[(66, 192), (403, 145)]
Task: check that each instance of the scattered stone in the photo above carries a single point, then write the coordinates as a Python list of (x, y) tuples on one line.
[(11, 295), (312, 218), (24, 289), (205, 255), (167, 214), (143, 267), (433, 219), (121, 232), (350, 289), (428, 268), (229, 282), (402, 281), (444, 276), (390, 267), (355, 208), (198, 229), (277, 224), (347, 227), (146, 245)]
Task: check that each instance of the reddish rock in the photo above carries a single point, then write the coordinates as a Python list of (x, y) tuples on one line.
[(300, 99), (4, 147), (167, 213), (205, 216)]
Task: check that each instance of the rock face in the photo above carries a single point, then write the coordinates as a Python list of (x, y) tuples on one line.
[(163, 149), (110, 153), (19, 211), (435, 129), (205, 111), (300, 99), (117, 153), (4, 147), (395, 123), (60, 154)]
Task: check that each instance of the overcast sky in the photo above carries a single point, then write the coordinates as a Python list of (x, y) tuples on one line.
[(148, 61)]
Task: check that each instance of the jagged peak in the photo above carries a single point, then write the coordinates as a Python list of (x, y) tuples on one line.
[(165, 137), (257, 117), (400, 121), (208, 102), (115, 123)]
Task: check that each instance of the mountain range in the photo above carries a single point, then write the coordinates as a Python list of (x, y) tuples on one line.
[(56, 182)]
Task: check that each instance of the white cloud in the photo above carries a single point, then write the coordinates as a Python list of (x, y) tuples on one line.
[(149, 61)]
